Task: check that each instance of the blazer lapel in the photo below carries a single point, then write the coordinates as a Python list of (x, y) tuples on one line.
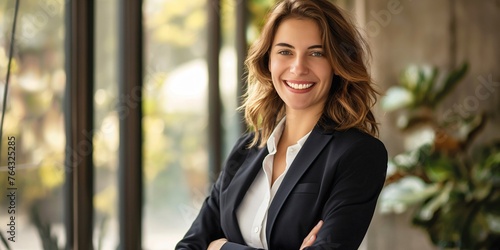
[(314, 144), (238, 188)]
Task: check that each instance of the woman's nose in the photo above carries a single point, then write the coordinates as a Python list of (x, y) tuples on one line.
[(299, 66)]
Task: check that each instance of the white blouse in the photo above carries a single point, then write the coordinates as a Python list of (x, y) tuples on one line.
[(252, 212)]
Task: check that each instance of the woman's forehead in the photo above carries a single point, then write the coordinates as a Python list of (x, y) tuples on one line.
[(298, 32)]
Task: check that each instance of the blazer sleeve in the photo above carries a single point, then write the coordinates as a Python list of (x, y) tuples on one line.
[(207, 225), (236, 246), (359, 178)]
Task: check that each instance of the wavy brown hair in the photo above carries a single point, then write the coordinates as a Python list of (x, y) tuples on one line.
[(352, 94)]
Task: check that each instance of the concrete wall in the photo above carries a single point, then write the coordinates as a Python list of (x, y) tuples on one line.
[(444, 33)]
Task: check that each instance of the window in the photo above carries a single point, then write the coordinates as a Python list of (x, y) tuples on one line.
[(34, 117), (175, 115)]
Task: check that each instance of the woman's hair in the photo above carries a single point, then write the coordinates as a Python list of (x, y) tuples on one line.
[(351, 96)]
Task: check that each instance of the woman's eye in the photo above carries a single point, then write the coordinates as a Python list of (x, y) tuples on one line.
[(317, 54), (284, 52)]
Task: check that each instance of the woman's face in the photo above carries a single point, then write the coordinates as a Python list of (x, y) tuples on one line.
[(300, 71)]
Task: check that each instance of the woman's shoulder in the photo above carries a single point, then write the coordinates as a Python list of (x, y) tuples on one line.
[(328, 126), (355, 134), (239, 153), (242, 146), (357, 141), (353, 138), (244, 141)]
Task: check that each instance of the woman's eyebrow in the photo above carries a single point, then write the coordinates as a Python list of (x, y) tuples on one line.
[(291, 47), (284, 45), (316, 47)]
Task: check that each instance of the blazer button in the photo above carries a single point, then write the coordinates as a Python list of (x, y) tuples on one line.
[(256, 229)]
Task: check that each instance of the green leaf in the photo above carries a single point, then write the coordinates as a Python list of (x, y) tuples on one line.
[(426, 79), (428, 210), (440, 168), (493, 222), (451, 81), (410, 77), (396, 98), (406, 161), (410, 190)]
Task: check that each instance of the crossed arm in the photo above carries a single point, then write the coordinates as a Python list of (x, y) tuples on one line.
[(308, 240)]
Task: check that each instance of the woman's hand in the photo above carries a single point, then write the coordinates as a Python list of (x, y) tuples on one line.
[(311, 237), (216, 244)]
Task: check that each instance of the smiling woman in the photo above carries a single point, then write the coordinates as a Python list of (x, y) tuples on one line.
[(309, 173), (344, 49)]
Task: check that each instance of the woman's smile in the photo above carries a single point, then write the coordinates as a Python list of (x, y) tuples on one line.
[(299, 85)]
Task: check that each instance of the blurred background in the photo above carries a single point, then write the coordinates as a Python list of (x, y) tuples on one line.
[(435, 63)]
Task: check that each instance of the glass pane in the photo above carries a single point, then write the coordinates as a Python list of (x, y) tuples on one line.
[(106, 124), (34, 125), (228, 75), (175, 119)]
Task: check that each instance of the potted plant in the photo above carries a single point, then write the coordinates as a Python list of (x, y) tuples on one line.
[(453, 183)]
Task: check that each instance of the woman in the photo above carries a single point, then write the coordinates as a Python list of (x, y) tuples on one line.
[(309, 175)]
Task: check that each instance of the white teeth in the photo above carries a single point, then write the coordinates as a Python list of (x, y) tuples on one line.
[(299, 86)]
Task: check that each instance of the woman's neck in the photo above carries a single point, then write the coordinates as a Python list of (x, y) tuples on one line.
[(297, 125)]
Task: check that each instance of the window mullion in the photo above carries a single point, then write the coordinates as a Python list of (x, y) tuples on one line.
[(130, 75), (79, 123)]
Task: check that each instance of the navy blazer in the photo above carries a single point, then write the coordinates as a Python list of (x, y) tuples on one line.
[(336, 177)]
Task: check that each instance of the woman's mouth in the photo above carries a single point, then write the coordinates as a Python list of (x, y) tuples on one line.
[(299, 85)]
